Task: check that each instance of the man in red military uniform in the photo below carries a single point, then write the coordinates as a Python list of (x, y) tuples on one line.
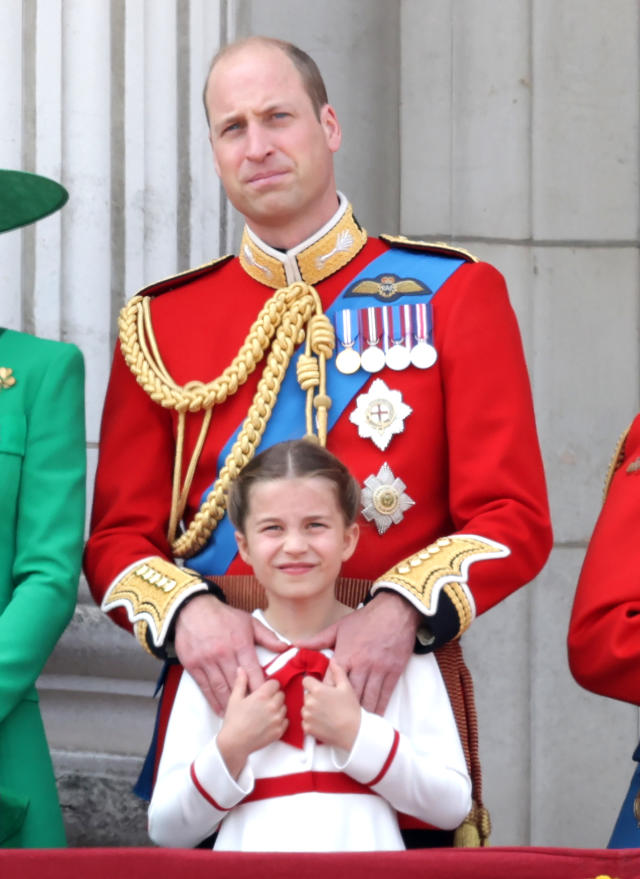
[(604, 630), (405, 358)]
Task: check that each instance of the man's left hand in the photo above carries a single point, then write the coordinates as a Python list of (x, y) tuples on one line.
[(373, 645)]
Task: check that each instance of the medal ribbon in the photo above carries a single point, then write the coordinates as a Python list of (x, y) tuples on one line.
[(344, 322), (424, 322)]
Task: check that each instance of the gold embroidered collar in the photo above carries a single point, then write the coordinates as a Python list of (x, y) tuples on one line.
[(331, 248)]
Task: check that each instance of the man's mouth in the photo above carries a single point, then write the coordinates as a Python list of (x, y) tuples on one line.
[(263, 178)]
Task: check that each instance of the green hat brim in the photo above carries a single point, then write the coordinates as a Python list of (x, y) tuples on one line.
[(26, 197)]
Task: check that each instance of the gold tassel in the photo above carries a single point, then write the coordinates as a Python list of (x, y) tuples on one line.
[(475, 830)]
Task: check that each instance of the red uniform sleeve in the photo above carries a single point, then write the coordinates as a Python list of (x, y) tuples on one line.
[(497, 486), (132, 496), (498, 533), (604, 631)]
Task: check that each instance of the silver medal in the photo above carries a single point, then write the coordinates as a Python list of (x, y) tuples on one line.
[(398, 357), (423, 355), (348, 361), (372, 359), (348, 358)]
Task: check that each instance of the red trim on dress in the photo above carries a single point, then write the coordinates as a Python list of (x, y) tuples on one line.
[(388, 761), (306, 782), (203, 792)]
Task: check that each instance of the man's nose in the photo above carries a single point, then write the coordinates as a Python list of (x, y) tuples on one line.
[(258, 143)]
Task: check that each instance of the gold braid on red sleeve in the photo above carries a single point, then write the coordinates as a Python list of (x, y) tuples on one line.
[(442, 566), (151, 592)]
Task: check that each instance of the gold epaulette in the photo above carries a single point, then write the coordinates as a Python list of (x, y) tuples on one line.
[(616, 460), (185, 277), (439, 248)]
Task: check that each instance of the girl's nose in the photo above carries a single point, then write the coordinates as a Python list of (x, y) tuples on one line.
[(294, 541)]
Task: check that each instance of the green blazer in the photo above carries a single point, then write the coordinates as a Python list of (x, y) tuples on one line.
[(42, 499)]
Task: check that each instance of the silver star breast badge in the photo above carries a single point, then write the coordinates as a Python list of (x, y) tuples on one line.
[(379, 414), (384, 500)]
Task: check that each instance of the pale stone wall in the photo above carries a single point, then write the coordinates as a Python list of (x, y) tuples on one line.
[(510, 126)]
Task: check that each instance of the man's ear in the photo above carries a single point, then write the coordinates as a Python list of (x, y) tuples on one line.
[(215, 158), (331, 126)]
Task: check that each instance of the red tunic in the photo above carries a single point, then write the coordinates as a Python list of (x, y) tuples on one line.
[(604, 632), (468, 453)]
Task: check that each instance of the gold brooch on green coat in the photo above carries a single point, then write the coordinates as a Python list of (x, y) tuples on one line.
[(7, 379)]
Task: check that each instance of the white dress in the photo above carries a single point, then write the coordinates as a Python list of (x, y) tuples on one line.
[(410, 760)]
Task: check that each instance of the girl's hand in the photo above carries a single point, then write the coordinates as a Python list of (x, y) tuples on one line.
[(331, 711), (250, 721)]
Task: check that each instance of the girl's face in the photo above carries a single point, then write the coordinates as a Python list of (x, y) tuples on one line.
[(295, 537)]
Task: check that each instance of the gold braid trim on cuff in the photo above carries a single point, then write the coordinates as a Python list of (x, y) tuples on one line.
[(442, 566), (151, 592), (292, 314)]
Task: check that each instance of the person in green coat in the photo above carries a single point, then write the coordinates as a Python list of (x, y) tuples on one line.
[(42, 498)]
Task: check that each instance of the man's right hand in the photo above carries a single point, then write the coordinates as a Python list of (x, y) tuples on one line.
[(212, 640)]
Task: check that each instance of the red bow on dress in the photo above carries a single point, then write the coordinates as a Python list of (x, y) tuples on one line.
[(305, 662)]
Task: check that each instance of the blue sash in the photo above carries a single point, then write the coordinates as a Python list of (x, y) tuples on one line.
[(287, 419)]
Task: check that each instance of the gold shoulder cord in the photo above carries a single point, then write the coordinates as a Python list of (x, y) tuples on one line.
[(292, 314)]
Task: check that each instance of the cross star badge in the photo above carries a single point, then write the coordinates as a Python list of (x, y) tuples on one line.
[(380, 414), (384, 500)]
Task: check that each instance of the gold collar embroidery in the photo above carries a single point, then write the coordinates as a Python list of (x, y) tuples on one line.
[(315, 259)]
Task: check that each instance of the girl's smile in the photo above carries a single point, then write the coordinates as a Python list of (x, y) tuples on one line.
[(296, 539)]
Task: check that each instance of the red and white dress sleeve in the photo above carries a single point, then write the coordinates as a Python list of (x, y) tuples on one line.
[(194, 790), (412, 756)]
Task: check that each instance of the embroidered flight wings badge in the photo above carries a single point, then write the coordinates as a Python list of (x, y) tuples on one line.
[(386, 288)]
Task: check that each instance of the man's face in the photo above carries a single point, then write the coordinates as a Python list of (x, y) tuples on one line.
[(272, 153)]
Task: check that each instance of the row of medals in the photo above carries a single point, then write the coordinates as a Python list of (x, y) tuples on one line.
[(381, 351)]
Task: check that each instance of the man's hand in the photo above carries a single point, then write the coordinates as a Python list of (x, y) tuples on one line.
[(331, 711), (251, 721), (212, 640), (373, 645)]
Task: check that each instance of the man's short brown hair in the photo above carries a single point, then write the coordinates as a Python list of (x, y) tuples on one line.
[(304, 64)]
